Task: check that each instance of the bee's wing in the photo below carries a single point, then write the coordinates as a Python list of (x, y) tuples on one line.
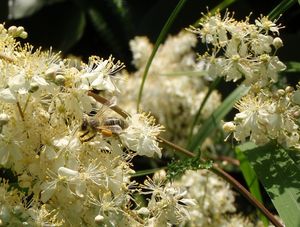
[(112, 102), (101, 112)]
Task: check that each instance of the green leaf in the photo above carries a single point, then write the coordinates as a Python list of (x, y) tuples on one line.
[(121, 10), (160, 39), (295, 155), (103, 29), (73, 28), (281, 8), (280, 176), (213, 121), (293, 66), (179, 167), (197, 116), (250, 176), (60, 28)]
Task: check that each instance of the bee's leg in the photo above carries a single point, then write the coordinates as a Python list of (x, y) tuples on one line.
[(88, 139), (84, 134)]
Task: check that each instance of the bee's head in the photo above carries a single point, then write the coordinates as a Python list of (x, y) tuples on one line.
[(84, 125)]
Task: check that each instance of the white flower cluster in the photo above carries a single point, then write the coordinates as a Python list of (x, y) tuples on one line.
[(72, 168), (172, 93), (141, 135), (167, 205), (266, 116), (214, 201), (240, 49)]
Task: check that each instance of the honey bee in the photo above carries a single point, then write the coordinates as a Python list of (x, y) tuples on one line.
[(107, 126)]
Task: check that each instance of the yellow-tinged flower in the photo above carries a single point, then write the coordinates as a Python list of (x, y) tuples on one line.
[(245, 44), (263, 117), (141, 135)]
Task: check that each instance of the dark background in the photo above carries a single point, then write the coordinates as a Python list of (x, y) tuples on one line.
[(94, 27)]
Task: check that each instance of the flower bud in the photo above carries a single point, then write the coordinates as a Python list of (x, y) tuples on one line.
[(296, 114), (289, 89), (60, 80), (99, 219), (23, 35), (229, 127), (50, 73), (281, 92), (5, 216), (264, 58), (33, 87), (144, 211), (20, 29), (4, 118), (235, 58), (296, 97), (12, 30), (277, 42), (159, 176)]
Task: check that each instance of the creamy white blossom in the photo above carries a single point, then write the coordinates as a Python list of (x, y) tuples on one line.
[(240, 49), (70, 181), (264, 116), (213, 198), (141, 135), (167, 205), (98, 74)]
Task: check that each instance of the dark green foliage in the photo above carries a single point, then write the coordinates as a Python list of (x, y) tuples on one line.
[(179, 167), (280, 176)]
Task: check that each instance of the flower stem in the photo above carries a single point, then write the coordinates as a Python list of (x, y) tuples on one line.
[(161, 37), (215, 168), (20, 111)]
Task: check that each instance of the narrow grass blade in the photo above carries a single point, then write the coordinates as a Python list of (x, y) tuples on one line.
[(250, 176), (103, 29), (281, 8), (159, 40), (212, 122), (197, 116), (293, 66)]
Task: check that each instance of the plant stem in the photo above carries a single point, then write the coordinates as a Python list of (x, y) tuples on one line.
[(197, 116), (161, 37), (20, 111), (215, 168), (220, 172)]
